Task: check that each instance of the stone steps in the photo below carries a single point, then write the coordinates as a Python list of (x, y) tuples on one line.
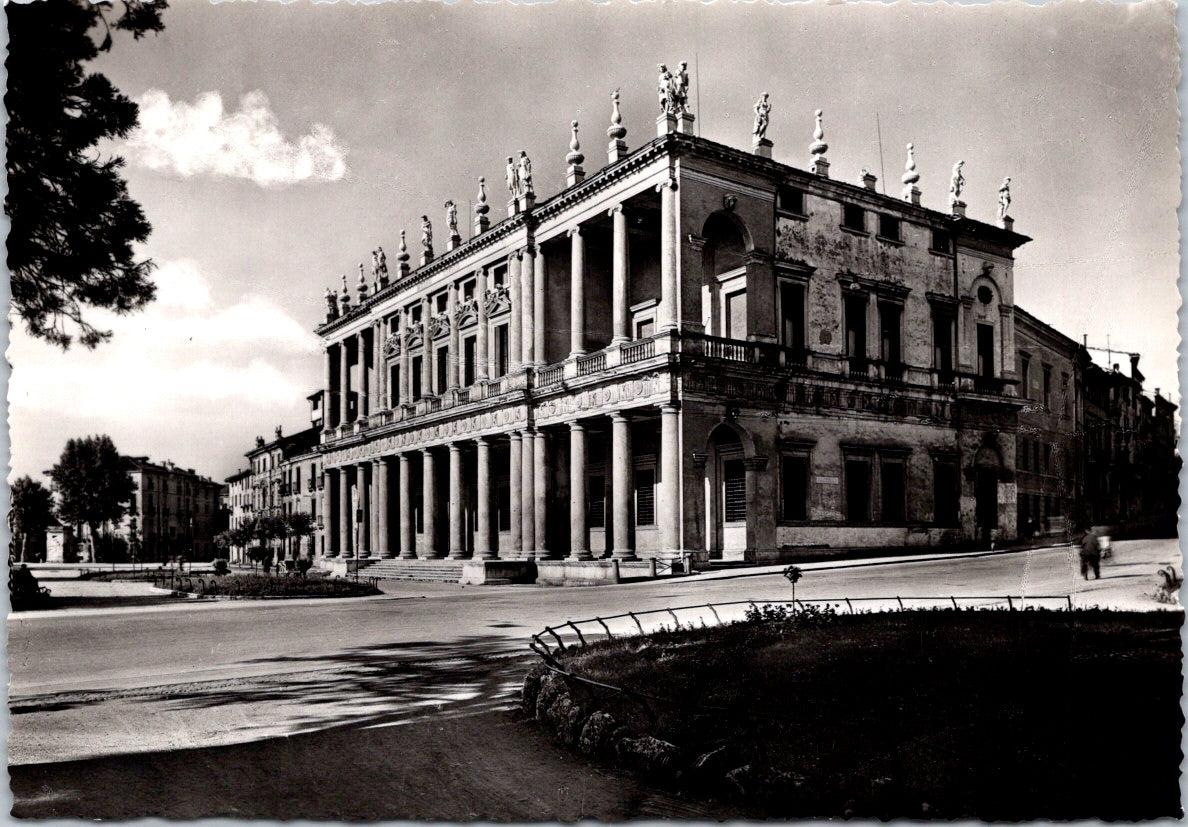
[(437, 571)]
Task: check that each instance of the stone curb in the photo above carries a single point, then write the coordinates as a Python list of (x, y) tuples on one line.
[(197, 596)]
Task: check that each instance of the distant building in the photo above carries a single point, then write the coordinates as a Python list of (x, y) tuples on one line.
[(174, 511), (282, 479)]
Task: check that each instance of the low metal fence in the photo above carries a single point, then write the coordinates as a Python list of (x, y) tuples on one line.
[(553, 640)]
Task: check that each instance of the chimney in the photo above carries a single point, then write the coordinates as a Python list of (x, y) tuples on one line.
[(1134, 360)]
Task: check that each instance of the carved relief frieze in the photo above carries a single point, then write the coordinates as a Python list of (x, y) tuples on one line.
[(439, 325), (636, 389), (392, 345), (498, 300), (467, 312), (464, 427)]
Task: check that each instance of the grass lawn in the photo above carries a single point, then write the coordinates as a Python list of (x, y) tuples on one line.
[(925, 714)]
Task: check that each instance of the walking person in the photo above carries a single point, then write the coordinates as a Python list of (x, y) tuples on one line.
[(1090, 554)]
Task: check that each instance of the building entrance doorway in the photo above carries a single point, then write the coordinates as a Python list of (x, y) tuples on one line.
[(986, 495), (726, 490)]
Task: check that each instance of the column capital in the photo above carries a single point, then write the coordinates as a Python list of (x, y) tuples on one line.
[(670, 184), (670, 407), (617, 209), (514, 255), (574, 231), (427, 452), (454, 447), (529, 250), (514, 436), (482, 441), (576, 425), (620, 416)]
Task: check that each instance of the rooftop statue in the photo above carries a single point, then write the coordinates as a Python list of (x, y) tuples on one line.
[(451, 217), (331, 303), (427, 235), (664, 89), (762, 117), (956, 184), (382, 259), (525, 175), (1004, 198), (680, 90), (513, 177)]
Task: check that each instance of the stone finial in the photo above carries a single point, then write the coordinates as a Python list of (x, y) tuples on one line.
[(402, 257), (956, 186), (910, 191), (818, 148), (481, 208), (345, 300), (574, 174), (617, 148), (362, 284), (331, 305), (1004, 204)]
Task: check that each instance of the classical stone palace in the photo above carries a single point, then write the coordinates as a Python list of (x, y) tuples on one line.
[(693, 351)]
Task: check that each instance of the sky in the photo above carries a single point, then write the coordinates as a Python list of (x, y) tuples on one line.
[(281, 143)]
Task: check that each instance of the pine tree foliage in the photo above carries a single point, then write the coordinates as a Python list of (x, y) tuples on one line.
[(74, 225), (93, 483)]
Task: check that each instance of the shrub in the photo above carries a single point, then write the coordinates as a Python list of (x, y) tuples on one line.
[(304, 564), (220, 566), (248, 585)]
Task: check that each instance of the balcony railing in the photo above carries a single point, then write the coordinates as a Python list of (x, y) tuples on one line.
[(551, 375), (594, 363), (632, 352), (733, 350), (495, 387)]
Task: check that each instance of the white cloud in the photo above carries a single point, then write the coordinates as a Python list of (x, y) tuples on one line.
[(196, 368), (201, 138)]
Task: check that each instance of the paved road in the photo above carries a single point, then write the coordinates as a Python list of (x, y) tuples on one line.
[(106, 683)]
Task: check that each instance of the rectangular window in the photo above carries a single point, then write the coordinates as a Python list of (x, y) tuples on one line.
[(946, 488), (942, 346), (894, 491), (414, 313), (441, 364), (1047, 466), (596, 501), (417, 373), (468, 356), (889, 227), (1048, 387), (736, 315), (986, 351), (1065, 395), (1023, 454), (790, 199), (857, 490), (645, 328), (468, 289), (853, 217), (890, 316), (500, 350), (856, 329), (734, 474), (1035, 456), (942, 241), (645, 496), (394, 385), (792, 315), (1025, 376), (441, 301), (794, 479)]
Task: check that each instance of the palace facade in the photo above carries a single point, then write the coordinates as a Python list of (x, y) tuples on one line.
[(695, 350)]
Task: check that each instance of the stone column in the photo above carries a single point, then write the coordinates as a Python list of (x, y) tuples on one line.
[(328, 517), (514, 335), (346, 517), (344, 381), (426, 349), (383, 498), (364, 350), (577, 293), (364, 534), (540, 493), (670, 285), (621, 494), (429, 505), (381, 369), (330, 394), (579, 533), (408, 534), (405, 363), (457, 541), (527, 495), (482, 367), (668, 494), (620, 279), (515, 458), (527, 305), (453, 374), (538, 308), (483, 550)]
